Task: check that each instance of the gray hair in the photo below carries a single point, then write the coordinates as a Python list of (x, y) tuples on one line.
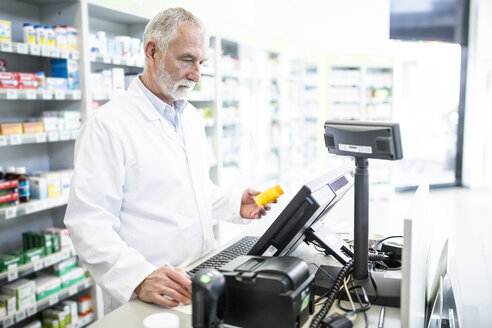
[(163, 28)]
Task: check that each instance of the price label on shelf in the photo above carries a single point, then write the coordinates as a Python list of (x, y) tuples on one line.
[(8, 322), (32, 310), (53, 136), (11, 94), (116, 60), (41, 137), (64, 53), (55, 52), (92, 57), (6, 46), (13, 273), (56, 257), (30, 94), (15, 139), (37, 264), (72, 290), (75, 55), (47, 95), (49, 261), (3, 141), (46, 51), (21, 315), (32, 207), (10, 212), (60, 94), (65, 254), (53, 299), (34, 49), (64, 135), (131, 61), (87, 283), (22, 48), (107, 59)]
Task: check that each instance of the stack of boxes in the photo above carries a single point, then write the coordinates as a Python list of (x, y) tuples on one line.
[(9, 193), (24, 292), (50, 184), (68, 120), (63, 314)]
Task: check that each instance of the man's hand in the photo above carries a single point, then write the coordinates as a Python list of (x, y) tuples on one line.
[(166, 286), (249, 209)]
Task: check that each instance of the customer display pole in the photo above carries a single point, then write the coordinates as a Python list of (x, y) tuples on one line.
[(361, 218)]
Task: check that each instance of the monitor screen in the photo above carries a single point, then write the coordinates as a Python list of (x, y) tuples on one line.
[(308, 206), (430, 20)]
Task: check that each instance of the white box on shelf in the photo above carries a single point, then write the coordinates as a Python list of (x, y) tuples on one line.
[(118, 80), (39, 187)]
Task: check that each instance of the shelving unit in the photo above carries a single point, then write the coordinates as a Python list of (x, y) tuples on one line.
[(259, 109), (41, 305), (361, 88), (44, 151)]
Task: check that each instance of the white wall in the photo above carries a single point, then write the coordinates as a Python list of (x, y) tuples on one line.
[(477, 159)]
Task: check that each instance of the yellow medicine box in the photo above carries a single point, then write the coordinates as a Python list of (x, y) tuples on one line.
[(32, 127), (10, 128), (5, 31)]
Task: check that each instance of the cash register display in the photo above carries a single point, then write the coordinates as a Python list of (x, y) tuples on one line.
[(308, 206)]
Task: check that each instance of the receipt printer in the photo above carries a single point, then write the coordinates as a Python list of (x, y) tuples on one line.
[(267, 292)]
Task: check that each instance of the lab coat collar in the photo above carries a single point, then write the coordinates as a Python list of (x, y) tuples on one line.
[(143, 102)]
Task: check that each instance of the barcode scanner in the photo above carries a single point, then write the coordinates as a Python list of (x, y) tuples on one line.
[(208, 299)]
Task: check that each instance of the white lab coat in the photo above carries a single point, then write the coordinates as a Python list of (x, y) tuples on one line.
[(138, 198)]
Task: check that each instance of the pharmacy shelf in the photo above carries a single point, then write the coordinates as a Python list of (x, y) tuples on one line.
[(18, 272), (46, 303), (41, 137), (116, 60), (36, 50), (39, 94), (32, 206)]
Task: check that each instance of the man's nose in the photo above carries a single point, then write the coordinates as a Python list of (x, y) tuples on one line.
[(194, 74)]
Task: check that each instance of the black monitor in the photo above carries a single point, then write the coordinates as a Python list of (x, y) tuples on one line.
[(301, 218)]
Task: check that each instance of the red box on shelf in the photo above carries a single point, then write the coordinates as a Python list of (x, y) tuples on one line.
[(8, 80), (9, 184), (27, 80), (9, 197)]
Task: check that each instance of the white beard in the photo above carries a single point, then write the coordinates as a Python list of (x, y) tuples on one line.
[(177, 90)]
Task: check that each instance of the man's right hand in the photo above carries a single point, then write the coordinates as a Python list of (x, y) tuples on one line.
[(166, 286)]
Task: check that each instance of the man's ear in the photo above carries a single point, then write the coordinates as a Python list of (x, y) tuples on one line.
[(150, 49)]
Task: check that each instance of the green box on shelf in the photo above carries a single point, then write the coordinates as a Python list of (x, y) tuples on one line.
[(9, 301), (51, 323), (56, 243), (72, 277), (7, 260), (34, 254), (47, 242), (46, 286), (65, 266)]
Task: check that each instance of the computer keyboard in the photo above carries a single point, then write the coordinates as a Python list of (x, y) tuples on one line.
[(241, 247)]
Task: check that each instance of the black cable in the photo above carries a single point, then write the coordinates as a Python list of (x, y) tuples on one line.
[(315, 323), (381, 240), (362, 306), (368, 306), (324, 271)]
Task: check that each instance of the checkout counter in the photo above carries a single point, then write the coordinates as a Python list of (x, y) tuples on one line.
[(133, 313)]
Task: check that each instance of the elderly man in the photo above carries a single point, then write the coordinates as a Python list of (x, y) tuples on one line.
[(141, 203)]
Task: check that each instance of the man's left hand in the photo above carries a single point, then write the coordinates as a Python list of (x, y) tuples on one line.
[(249, 209)]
